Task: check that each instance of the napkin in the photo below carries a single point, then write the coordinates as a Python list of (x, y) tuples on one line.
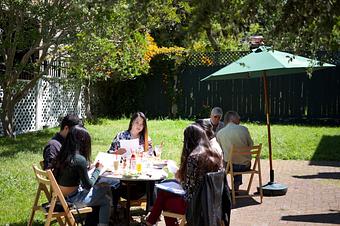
[(172, 167)]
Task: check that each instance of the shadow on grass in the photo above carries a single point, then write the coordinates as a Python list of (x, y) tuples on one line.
[(326, 175), (326, 218), (30, 142), (24, 223), (328, 149)]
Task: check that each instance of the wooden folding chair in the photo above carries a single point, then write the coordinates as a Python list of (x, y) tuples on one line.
[(139, 203), (180, 217), (254, 151), (46, 180)]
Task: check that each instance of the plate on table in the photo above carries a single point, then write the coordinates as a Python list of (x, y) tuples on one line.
[(130, 175), (160, 165)]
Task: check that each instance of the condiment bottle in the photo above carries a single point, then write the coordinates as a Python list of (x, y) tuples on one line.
[(133, 162)]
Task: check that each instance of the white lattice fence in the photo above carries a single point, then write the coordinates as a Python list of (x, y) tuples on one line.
[(25, 113), (56, 102), (45, 105)]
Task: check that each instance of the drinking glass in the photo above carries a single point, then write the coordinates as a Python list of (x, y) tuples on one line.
[(158, 152), (116, 165), (139, 167)]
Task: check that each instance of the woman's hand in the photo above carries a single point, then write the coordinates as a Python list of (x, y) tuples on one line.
[(120, 151), (99, 165)]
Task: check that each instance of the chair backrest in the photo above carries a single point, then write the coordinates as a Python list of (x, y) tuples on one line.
[(44, 184), (57, 195), (253, 151)]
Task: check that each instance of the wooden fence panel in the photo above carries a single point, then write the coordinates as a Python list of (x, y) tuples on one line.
[(294, 96)]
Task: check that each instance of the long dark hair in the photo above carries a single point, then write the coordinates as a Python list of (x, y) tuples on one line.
[(78, 141), (206, 126), (144, 132), (197, 142)]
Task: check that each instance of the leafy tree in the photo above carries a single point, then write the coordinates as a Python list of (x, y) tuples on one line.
[(227, 24), (306, 25), (33, 32), (294, 25), (108, 48), (115, 43)]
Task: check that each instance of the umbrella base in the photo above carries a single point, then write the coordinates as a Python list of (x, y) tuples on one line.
[(274, 189)]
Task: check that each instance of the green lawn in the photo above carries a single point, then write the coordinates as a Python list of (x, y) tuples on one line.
[(18, 186)]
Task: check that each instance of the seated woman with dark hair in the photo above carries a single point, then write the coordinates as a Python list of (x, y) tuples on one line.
[(138, 129), (70, 170), (197, 159)]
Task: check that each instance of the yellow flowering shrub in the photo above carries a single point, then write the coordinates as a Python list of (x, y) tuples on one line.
[(206, 60), (153, 49)]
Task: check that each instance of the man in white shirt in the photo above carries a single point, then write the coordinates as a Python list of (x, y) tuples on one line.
[(235, 134)]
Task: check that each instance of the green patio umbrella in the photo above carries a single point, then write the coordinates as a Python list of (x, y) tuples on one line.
[(263, 62)]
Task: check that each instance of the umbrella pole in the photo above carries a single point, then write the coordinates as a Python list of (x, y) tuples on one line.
[(268, 126), (272, 188)]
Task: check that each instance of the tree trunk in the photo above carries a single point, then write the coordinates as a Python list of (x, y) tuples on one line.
[(174, 107), (7, 115), (212, 39), (87, 100)]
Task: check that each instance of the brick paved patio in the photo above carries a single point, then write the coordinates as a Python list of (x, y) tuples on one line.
[(313, 196)]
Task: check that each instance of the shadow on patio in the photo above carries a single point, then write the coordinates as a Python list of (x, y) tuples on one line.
[(327, 218), (325, 175)]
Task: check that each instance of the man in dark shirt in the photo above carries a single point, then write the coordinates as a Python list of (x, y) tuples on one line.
[(52, 148)]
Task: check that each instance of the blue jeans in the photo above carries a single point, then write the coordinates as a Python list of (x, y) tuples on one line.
[(239, 168), (98, 195)]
